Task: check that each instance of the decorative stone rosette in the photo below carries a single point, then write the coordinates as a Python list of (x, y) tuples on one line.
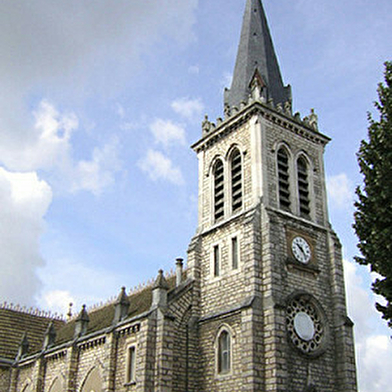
[(306, 325)]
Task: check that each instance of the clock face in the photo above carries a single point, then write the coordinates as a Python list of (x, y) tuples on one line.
[(301, 250)]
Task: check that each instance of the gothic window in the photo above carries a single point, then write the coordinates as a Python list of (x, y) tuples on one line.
[(216, 260), (131, 365), (93, 381), (303, 187), (218, 190), (224, 360), (57, 386), (236, 180), (284, 179), (234, 252)]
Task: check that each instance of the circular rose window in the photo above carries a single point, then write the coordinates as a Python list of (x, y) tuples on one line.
[(304, 325)]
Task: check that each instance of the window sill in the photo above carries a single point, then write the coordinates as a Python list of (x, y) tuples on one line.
[(220, 376)]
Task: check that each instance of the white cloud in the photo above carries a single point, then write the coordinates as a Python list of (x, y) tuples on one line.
[(98, 173), (57, 301), (340, 191), (372, 342), (188, 108), (168, 133), (46, 146), (66, 280), (24, 200), (50, 149), (160, 167)]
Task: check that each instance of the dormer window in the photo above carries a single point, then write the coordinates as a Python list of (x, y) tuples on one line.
[(219, 195), (303, 187), (284, 180), (236, 180)]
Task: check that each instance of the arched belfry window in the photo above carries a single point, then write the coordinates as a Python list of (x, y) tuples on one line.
[(224, 352), (284, 179), (236, 180), (219, 196), (303, 187)]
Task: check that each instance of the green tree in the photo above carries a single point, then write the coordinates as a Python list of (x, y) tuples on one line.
[(373, 216)]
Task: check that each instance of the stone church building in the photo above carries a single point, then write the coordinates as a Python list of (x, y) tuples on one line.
[(260, 305)]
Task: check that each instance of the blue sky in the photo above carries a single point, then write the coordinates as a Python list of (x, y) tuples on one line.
[(100, 102)]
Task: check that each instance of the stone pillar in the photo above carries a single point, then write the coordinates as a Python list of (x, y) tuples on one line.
[(343, 326), (164, 352), (39, 374), (14, 378), (72, 368), (109, 372)]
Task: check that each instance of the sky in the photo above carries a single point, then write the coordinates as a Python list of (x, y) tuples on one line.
[(100, 103)]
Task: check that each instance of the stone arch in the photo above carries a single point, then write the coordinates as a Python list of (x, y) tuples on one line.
[(92, 381), (224, 339), (28, 387), (57, 385)]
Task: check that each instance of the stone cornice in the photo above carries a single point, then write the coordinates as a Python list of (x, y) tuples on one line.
[(272, 115)]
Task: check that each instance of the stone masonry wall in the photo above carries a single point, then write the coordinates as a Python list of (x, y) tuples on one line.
[(211, 380), (26, 376), (89, 358), (125, 341), (56, 367), (274, 137), (5, 374), (241, 139), (185, 347), (230, 287)]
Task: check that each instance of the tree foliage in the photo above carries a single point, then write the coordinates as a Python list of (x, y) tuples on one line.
[(373, 216)]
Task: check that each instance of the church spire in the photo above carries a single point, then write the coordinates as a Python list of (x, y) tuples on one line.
[(256, 57)]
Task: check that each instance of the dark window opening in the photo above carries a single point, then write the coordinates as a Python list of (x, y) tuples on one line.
[(224, 353), (303, 187), (236, 181), (131, 365), (234, 252), (283, 178), (216, 261), (218, 191)]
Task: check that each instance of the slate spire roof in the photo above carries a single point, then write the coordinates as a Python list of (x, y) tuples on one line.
[(256, 53)]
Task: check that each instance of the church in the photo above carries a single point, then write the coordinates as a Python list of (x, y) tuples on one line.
[(259, 304)]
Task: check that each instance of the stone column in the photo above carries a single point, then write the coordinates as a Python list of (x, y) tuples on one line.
[(72, 368)]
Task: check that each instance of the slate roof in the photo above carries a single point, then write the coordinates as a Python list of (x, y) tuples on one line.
[(13, 324), (256, 52), (102, 318)]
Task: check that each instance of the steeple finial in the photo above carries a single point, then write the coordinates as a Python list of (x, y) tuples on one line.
[(256, 54)]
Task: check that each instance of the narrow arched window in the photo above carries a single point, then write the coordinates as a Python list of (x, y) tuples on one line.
[(219, 201), (284, 180), (303, 187), (236, 180), (224, 362)]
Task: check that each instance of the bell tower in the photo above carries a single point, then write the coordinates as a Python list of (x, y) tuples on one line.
[(266, 264)]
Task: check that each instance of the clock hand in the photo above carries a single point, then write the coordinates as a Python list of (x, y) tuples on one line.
[(302, 250)]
